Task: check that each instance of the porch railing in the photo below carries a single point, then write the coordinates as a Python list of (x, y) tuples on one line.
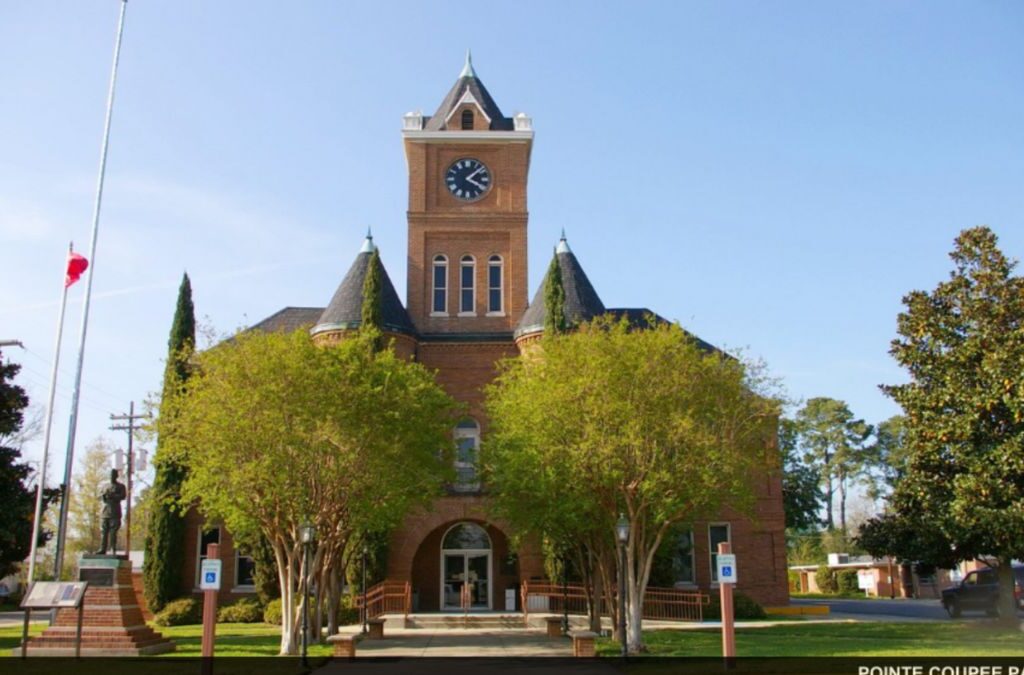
[(387, 597), (662, 604)]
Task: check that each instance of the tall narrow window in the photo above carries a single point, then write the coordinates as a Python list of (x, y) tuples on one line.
[(467, 120), (440, 285), (717, 534), (245, 569), (206, 537), (467, 442), (494, 284), (467, 274), (682, 560)]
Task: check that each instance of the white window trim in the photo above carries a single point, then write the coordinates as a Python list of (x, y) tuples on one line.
[(199, 549), (434, 264), (463, 264), (469, 552), (713, 552), (500, 264), (467, 433)]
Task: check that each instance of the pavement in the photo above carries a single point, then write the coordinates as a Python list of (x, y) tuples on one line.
[(884, 609)]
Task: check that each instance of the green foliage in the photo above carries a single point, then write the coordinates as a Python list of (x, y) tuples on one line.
[(554, 299), (826, 579), (246, 610), (743, 607), (180, 612), (165, 534), (272, 612), (793, 579), (265, 575), (801, 491), (846, 582), (963, 347), (890, 456), (17, 502), (373, 293), (834, 444)]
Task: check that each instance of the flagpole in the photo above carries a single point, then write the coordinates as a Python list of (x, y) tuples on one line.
[(73, 423), (37, 521)]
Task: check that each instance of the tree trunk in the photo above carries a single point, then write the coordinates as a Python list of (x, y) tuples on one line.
[(842, 505), (333, 602), (597, 598), (1007, 601), (830, 522), (286, 575)]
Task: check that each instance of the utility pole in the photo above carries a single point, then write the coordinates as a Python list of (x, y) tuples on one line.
[(11, 343), (130, 427)]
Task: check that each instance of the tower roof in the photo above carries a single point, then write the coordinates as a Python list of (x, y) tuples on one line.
[(345, 310), (581, 300), (469, 86)]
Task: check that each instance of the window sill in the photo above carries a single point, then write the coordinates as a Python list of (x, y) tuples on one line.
[(495, 314), (243, 589), (445, 314), (465, 314)]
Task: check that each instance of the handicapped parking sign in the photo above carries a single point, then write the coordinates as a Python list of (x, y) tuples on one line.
[(209, 575), (726, 568)]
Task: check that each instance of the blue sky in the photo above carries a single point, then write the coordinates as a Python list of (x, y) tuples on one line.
[(775, 176)]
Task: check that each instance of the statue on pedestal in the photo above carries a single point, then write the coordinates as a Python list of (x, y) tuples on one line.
[(112, 496)]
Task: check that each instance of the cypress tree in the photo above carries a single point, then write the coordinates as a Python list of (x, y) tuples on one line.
[(554, 299), (165, 545), (372, 312)]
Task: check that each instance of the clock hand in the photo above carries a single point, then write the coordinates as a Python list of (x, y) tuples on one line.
[(470, 180), (478, 170)]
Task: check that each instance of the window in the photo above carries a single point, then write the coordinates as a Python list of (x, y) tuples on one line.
[(467, 442), (494, 284), (440, 285), (682, 560), (717, 534), (467, 272), (206, 538), (245, 569), (466, 536), (467, 120)]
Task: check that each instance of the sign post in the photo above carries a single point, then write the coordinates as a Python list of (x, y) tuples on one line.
[(54, 595), (865, 581), (209, 583), (726, 563)]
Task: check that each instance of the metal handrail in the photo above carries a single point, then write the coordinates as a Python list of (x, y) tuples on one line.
[(663, 604), (386, 597)]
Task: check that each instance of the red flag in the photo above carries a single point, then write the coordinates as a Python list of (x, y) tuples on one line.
[(76, 265)]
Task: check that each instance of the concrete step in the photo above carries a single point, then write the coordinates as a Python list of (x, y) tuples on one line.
[(478, 621)]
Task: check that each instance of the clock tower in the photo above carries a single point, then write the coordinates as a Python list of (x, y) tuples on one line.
[(468, 167)]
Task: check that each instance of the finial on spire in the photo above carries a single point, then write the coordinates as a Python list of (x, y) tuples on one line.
[(563, 245), (467, 70), (368, 245)]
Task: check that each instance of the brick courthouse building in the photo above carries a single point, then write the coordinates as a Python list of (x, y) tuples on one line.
[(467, 307)]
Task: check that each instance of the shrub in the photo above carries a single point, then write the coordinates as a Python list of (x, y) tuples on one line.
[(246, 610), (272, 612), (180, 612), (794, 581), (826, 579), (846, 581), (743, 606)]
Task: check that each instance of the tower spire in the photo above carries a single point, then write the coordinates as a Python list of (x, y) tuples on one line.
[(563, 245), (467, 70), (368, 245)]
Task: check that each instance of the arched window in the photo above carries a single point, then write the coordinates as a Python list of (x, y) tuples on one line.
[(466, 536), (467, 120), (494, 275), (440, 285), (467, 275), (467, 443)]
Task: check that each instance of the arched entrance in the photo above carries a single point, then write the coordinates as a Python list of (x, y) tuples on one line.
[(466, 566)]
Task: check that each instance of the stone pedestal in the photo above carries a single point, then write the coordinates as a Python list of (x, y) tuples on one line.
[(112, 624)]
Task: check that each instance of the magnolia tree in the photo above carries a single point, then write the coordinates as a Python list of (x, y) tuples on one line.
[(277, 432), (608, 420)]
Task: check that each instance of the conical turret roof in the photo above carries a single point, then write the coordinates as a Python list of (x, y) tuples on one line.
[(345, 310), (469, 85), (582, 302)]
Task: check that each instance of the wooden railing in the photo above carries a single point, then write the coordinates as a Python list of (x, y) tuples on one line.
[(387, 597), (663, 604)]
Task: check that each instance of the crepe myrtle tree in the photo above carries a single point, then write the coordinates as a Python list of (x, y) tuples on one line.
[(609, 419), (278, 432)]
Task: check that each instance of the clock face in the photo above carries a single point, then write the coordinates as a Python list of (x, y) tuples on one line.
[(468, 179)]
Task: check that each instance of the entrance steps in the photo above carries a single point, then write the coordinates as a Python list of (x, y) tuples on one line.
[(472, 621)]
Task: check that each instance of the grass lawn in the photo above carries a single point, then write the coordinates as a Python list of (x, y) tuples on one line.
[(839, 639)]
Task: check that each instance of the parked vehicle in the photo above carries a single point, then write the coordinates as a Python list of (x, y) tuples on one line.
[(980, 591)]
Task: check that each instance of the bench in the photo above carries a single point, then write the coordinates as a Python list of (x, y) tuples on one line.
[(376, 629), (583, 643), (554, 624), (345, 644)]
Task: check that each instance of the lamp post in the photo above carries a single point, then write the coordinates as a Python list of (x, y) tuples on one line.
[(622, 532), (306, 534), (366, 550)]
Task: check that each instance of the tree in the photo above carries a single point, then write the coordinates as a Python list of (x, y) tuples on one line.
[(372, 314), (277, 432), (17, 500), (834, 443), (554, 299), (963, 347), (86, 505), (888, 456), (165, 534), (801, 492), (609, 420)]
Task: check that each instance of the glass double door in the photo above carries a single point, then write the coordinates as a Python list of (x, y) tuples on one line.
[(465, 578)]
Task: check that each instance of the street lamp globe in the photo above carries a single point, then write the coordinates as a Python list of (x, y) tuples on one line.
[(307, 533), (622, 529)]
